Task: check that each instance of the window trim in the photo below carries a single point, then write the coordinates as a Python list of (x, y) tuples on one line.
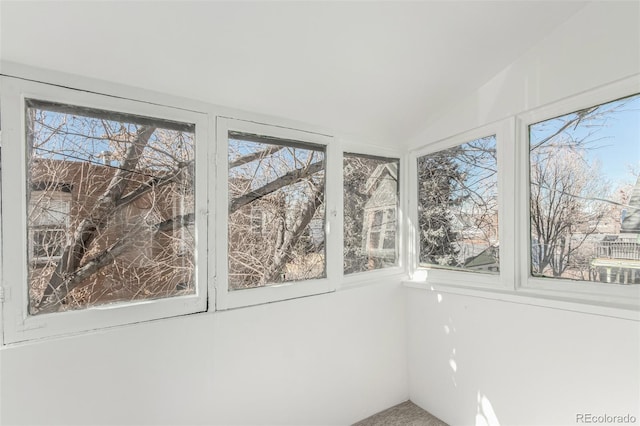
[(614, 295), (504, 131), (18, 324), (226, 299)]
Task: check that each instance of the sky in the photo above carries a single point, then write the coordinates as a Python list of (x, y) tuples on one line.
[(621, 141), (614, 139)]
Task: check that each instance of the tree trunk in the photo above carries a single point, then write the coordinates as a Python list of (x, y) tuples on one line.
[(283, 253), (88, 228)]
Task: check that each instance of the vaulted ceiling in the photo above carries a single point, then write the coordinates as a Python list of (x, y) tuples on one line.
[(375, 70)]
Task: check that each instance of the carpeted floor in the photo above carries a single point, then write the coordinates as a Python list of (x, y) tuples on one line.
[(405, 414)]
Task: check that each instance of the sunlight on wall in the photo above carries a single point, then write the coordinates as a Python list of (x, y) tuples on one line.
[(485, 415), (453, 365), (449, 330), (420, 275)]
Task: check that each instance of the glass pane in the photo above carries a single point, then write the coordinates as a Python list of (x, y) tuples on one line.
[(585, 194), (377, 219), (276, 211), (458, 207), (110, 207), (46, 209), (48, 243), (370, 203), (374, 240)]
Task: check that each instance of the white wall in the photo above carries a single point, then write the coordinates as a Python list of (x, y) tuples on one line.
[(326, 360), (598, 45), (475, 361), (478, 361)]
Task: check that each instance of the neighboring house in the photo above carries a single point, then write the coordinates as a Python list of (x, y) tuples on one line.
[(486, 260), (380, 213), (617, 257), (64, 193), (477, 228)]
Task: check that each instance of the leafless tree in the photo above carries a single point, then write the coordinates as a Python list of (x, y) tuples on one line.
[(118, 230), (458, 202), (564, 211), (276, 212), (570, 199), (112, 210)]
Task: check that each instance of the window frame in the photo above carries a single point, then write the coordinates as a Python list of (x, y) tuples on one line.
[(18, 324), (349, 148), (226, 299), (518, 286), (504, 131), (606, 295), (358, 279)]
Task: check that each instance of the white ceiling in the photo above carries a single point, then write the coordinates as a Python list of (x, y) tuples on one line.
[(371, 69)]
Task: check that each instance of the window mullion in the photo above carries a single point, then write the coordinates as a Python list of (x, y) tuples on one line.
[(507, 202)]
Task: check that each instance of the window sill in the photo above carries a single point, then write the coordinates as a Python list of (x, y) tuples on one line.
[(531, 298), (360, 279)]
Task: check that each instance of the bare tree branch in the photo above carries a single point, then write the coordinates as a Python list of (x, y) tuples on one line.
[(86, 230), (255, 156), (72, 280), (284, 252), (285, 180), (153, 183)]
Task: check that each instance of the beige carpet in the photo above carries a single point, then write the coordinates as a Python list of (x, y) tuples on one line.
[(405, 414)]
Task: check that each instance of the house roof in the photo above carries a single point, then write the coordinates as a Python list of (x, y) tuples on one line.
[(382, 186), (488, 256), (377, 175)]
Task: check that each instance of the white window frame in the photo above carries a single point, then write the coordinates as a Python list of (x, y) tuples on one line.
[(18, 324), (516, 284), (356, 278), (504, 132), (606, 295), (226, 299)]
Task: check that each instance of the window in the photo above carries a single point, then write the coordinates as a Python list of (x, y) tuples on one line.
[(370, 202), (585, 194), (109, 211), (561, 230), (458, 207), (464, 211), (277, 237), (579, 183), (48, 225), (129, 184), (276, 211)]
